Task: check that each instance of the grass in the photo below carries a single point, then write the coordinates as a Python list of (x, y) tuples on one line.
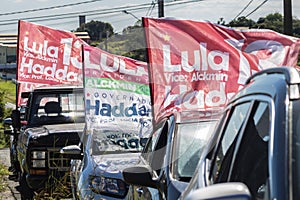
[(10, 90), (55, 188), (3, 172), (4, 139)]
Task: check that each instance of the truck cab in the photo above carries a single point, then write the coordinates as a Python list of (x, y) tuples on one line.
[(53, 118)]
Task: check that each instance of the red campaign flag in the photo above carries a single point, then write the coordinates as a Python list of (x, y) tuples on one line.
[(197, 65), (101, 64), (48, 56)]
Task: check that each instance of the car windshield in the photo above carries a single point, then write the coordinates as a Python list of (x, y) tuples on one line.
[(189, 141), (109, 141), (57, 107)]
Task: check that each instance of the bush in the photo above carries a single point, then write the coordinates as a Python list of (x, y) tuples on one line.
[(4, 113)]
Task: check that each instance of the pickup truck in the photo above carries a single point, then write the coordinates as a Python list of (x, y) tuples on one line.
[(53, 118)]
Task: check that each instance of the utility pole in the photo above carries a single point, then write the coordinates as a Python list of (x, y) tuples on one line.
[(82, 21), (287, 17), (161, 8)]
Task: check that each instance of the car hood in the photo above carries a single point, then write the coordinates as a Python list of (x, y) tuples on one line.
[(57, 128), (115, 163), (53, 135)]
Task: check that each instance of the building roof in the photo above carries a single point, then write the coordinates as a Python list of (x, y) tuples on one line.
[(8, 40), (11, 40)]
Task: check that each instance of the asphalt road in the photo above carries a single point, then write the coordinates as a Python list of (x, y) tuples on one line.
[(12, 190)]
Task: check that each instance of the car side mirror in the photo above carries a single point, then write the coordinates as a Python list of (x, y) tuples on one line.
[(231, 190), (72, 151), (8, 129), (139, 175), (143, 141)]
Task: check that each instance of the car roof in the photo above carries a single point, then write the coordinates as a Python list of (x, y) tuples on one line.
[(194, 116), (291, 74), (272, 82), (58, 87)]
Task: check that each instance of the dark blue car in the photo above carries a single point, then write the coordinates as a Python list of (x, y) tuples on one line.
[(255, 151)]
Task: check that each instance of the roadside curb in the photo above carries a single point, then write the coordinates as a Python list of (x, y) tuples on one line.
[(11, 193)]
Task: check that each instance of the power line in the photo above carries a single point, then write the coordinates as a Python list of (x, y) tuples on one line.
[(181, 2), (243, 9), (91, 12), (260, 5), (71, 15), (150, 9), (48, 8), (105, 13)]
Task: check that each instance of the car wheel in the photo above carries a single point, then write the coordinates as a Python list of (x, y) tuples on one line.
[(26, 192)]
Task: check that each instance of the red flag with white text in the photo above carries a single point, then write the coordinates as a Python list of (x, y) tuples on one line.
[(197, 65), (47, 56)]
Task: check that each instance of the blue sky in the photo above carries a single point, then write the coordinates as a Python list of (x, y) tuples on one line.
[(211, 10)]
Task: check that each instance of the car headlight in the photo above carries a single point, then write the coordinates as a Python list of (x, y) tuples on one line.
[(108, 186), (38, 159)]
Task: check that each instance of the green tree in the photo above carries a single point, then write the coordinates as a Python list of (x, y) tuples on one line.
[(271, 21), (242, 22), (296, 27), (135, 42), (97, 30), (221, 21), (130, 43)]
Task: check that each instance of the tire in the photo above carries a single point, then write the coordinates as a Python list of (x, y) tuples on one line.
[(26, 192)]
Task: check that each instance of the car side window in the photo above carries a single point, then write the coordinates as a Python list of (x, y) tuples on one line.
[(225, 149), (150, 145), (155, 149), (251, 161)]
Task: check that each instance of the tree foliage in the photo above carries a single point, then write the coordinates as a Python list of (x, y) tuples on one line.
[(97, 30), (2, 106), (136, 44), (242, 22), (296, 27), (272, 21), (131, 43)]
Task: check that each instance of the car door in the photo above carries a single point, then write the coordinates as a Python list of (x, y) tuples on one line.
[(242, 151)]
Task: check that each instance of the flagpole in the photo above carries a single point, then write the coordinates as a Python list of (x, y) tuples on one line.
[(17, 67)]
